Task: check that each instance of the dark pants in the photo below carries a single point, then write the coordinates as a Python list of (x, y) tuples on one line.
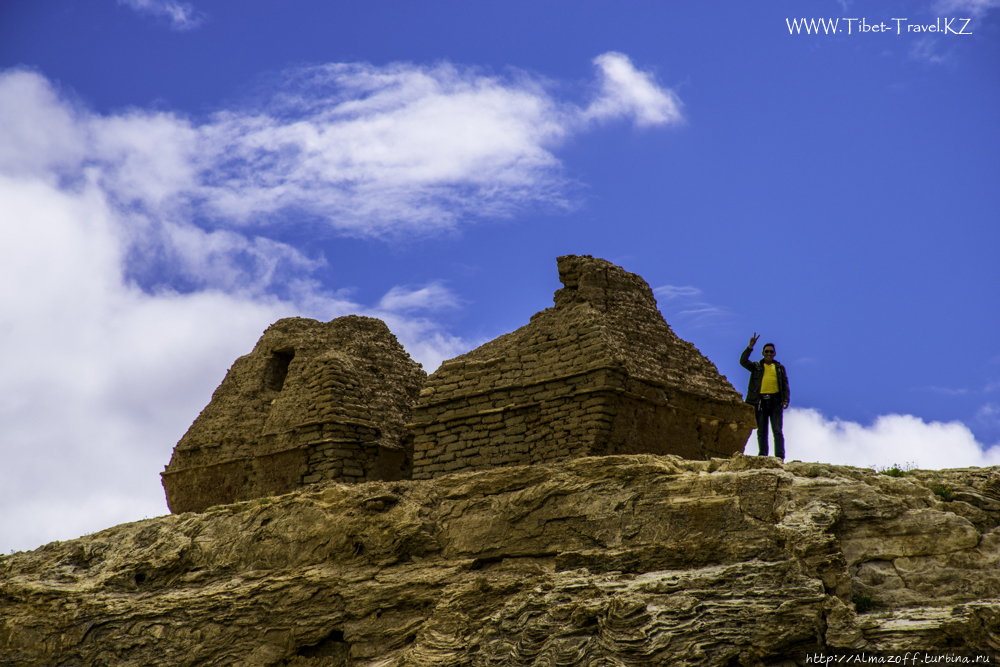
[(769, 408)]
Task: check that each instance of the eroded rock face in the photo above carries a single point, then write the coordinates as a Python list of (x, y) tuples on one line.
[(623, 560), (313, 401), (599, 373)]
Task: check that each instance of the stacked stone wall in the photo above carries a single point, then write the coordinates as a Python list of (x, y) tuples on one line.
[(523, 406), (600, 373), (313, 402), (545, 421), (646, 425), (589, 414)]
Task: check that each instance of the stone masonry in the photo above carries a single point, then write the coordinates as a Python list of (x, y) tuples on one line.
[(600, 373), (313, 402)]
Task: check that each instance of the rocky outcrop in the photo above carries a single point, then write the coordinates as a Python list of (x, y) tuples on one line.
[(313, 401), (599, 373), (623, 560)]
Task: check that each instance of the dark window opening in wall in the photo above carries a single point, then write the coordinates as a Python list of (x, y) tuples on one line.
[(277, 369)]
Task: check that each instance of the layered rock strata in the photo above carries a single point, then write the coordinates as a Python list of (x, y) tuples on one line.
[(313, 401), (599, 373), (629, 560)]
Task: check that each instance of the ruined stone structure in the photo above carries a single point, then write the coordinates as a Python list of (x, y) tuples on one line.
[(314, 401), (599, 373)]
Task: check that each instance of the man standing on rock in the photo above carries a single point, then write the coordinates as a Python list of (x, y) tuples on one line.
[(768, 393)]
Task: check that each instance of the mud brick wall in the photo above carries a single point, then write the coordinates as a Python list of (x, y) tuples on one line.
[(651, 420), (599, 373), (313, 402), (533, 423)]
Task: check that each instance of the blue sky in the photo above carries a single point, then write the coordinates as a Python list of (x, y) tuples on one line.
[(175, 176)]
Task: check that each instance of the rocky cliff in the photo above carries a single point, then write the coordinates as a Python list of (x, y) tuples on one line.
[(620, 560)]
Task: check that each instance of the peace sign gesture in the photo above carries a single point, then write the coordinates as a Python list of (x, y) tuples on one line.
[(753, 340)]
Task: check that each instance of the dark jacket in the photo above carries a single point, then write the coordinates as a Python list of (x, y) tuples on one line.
[(756, 369)]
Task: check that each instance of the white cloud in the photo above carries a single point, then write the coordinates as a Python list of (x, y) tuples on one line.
[(403, 148), (100, 377), (434, 296), (967, 8), (891, 439), (370, 151), (376, 151), (686, 310), (226, 260), (925, 49), (989, 414), (701, 313), (103, 378), (120, 314), (424, 339), (143, 157), (946, 391), (625, 91), (674, 291), (40, 131), (182, 15)]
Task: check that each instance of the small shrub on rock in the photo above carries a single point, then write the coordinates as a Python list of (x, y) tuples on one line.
[(863, 603)]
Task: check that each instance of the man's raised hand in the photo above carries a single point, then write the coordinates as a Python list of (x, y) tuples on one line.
[(753, 340)]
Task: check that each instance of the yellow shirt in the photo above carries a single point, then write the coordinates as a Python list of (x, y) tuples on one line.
[(769, 385)]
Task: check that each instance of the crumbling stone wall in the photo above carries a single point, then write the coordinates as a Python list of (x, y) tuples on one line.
[(599, 373), (314, 401)]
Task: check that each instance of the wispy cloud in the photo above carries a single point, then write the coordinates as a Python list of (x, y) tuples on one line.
[(989, 414), (946, 391), (434, 296), (404, 148), (931, 48), (682, 305), (369, 151), (926, 49), (968, 8), (989, 387), (181, 15), (673, 291)]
